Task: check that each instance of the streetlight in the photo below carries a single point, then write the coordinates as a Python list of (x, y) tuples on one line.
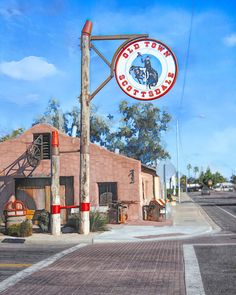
[(177, 164)]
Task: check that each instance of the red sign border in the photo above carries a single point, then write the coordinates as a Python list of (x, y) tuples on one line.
[(146, 39)]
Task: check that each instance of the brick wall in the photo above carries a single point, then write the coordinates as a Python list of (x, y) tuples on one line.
[(105, 166)]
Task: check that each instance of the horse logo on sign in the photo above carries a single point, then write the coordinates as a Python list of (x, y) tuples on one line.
[(146, 69)]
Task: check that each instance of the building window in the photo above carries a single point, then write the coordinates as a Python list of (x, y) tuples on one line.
[(107, 192), (43, 142)]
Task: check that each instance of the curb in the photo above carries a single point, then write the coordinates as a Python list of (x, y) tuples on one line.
[(214, 226), (180, 237)]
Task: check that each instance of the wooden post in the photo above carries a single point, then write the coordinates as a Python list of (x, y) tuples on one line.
[(55, 186), (85, 129)]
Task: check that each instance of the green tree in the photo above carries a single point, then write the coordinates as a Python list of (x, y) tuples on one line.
[(195, 170), (53, 115), (189, 167), (72, 118), (216, 177), (13, 134), (183, 180), (139, 133), (99, 128), (65, 121), (233, 178)]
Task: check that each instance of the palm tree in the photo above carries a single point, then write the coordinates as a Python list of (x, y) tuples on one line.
[(189, 167), (195, 170)]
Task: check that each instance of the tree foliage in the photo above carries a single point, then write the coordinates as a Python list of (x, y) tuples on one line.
[(53, 115), (183, 180), (206, 176), (233, 178), (189, 167), (65, 122), (13, 134), (138, 134), (140, 131), (196, 171)]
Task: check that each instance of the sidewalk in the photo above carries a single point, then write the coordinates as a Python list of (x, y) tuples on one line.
[(188, 220)]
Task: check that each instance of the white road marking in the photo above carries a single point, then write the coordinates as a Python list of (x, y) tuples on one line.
[(193, 279), (11, 281), (234, 216), (215, 245)]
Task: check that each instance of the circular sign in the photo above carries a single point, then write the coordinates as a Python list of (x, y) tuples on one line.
[(146, 69)]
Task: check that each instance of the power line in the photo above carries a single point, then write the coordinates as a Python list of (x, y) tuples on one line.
[(178, 135), (187, 57)]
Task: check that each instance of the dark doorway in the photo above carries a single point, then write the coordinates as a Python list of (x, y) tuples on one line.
[(35, 193)]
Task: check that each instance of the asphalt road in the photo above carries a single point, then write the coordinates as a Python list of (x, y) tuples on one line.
[(221, 207), (216, 254), (16, 257)]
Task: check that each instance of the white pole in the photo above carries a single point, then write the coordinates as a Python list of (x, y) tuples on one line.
[(177, 145)]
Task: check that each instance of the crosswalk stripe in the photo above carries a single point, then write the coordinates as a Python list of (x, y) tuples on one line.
[(193, 279)]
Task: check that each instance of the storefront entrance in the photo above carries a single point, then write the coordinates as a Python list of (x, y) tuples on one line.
[(35, 193)]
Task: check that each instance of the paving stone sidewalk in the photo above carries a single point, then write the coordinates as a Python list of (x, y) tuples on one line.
[(124, 268)]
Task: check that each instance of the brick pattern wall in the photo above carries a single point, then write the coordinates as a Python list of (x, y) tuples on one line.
[(105, 166)]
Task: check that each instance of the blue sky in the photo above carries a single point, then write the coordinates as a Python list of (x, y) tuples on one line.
[(40, 59)]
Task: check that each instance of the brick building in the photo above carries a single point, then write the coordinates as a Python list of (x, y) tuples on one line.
[(113, 177)]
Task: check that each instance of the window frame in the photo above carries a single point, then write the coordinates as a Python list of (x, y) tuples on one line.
[(114, 191), (43, 154)]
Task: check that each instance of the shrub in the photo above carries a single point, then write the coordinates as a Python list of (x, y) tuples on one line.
[(74, 221), (26, 228), (98, 221), (14, 230), (23, 229)]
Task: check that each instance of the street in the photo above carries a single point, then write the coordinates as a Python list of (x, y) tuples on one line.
[(216, 254), (149, 267), (16, 257)]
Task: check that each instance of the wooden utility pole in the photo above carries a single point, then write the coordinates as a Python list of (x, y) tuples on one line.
[(85, 98), (55, 186), (85, 129)]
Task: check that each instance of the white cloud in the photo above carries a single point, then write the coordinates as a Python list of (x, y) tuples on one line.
[(8, 13), (30, 68), (230, 40), (20, 98)]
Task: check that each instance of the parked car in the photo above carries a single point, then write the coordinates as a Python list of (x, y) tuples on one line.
[(205, 191), (224, 186)]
